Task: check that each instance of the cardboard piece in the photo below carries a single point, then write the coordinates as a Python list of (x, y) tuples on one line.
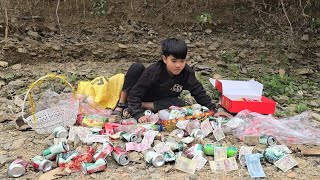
[(310, 152)]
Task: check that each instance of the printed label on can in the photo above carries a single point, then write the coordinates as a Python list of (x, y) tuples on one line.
[(99, 165), (120, 156)]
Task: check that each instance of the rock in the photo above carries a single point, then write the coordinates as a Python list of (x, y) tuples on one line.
[(305, 37), (281, 72), (16, 83), (282, 99), (317, 54), (33, 34), (292, 175), (5, 159), (6, 146), (301, 163), (191, 177), (202, 67), (222, 64), (122, 46), (56, 47), (200, 44), (17, 144), (208, 31), (243, 69), (2, 116), (313, 104), (16, 67), (22, 50), (214, 46), (168, 168), (134, 156), (304, 71), (152, 169), (217, 76), (242, 54), (4, 64), (315, 116), (291, 56), (2, 83)]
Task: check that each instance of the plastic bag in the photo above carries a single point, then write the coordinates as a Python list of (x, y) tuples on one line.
[(105, 92), (297, 129)]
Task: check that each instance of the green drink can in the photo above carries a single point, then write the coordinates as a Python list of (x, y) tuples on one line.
[(99, 165)]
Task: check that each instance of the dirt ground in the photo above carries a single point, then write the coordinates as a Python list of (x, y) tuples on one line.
[(89, 46)]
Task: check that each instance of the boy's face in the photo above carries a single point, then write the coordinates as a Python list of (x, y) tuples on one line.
[(174, 66)]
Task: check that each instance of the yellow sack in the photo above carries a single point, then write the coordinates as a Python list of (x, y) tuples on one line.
[(105, 92)]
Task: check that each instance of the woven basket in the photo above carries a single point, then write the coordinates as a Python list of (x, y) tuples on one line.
[(44, 121)]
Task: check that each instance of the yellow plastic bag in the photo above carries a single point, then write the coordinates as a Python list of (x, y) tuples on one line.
[(105, 92)]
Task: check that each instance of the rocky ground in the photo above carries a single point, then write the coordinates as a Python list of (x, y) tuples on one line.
[(105, 51)]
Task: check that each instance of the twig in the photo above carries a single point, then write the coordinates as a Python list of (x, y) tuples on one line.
[(7, 23), (84, 9), (77, 7), (285, 13), (58, 16)]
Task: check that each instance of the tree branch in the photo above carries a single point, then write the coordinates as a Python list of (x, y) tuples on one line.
[(285, 13)]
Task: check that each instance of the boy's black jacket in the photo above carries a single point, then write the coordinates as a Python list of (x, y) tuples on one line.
[(155, 84)]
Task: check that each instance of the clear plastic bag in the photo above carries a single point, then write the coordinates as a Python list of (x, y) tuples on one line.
[(299, 129)]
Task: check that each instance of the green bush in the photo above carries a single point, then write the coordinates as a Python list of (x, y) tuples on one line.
[(279, 85)]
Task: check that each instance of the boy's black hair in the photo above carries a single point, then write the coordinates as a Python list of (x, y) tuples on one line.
[(175, 47)]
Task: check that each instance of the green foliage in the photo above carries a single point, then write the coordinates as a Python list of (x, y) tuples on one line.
[(283, 113), (72, 78), (263, 57), (279, 85), (99, 7), (315, 23), (227, 57), (301, 107), (205, 18), (10, 77)]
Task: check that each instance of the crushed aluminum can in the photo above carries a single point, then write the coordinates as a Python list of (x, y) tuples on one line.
[(106, 150), (64, 158), (148, 112), (99, 165), (196, 149), (17, 168), (129, 137), (130, 121), (120, 155), (268, 140), (154, 158), (176, 146), (180, 133), (40, 163), (242, 160), (60, 132), (159, 137), (55, 149), (197, 133)]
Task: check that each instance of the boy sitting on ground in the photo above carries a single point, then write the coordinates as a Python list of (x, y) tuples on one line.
[(159, 85)]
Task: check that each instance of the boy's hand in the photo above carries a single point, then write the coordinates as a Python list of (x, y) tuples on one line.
[(225, 114), (143, 119)]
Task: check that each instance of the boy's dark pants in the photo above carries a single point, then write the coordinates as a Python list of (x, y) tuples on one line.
[(130, 79)]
